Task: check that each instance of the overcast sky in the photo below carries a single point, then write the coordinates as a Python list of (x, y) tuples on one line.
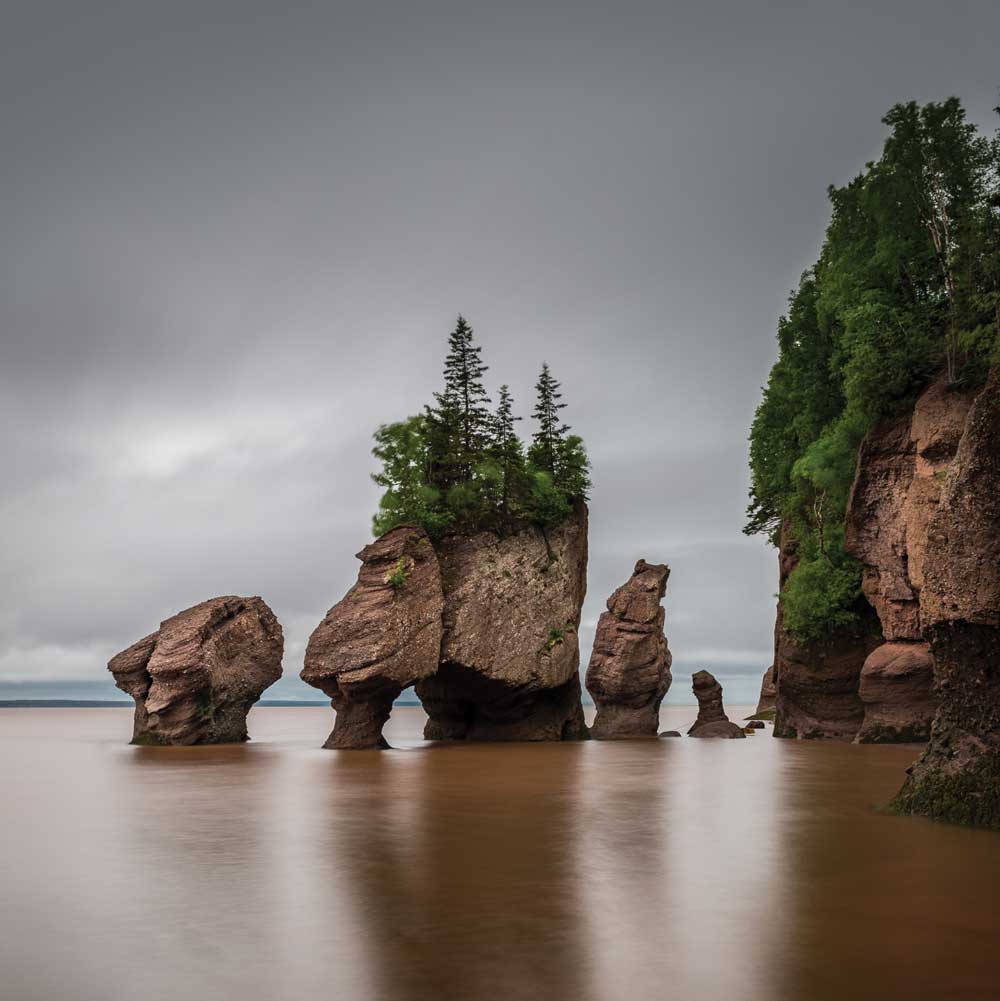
[(235, 236)]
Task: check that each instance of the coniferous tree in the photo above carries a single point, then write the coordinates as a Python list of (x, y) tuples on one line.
[(459, 421), (507, 453), (547, 441)]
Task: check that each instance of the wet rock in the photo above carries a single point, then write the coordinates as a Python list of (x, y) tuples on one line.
[(712, 720), (754, 724), (629, 670), (958, 776), (195, 679), (383, 636), (670, 733), (896, 688), (510, 657)]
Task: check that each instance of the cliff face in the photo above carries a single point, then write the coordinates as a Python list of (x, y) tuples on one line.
[(510, 656), (902, 467), (816, 685), (629, 670), (958, 776), (195, 679), (382, 637)]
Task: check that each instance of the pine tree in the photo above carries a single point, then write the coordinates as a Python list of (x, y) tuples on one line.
[(458, 423), (547, 441)]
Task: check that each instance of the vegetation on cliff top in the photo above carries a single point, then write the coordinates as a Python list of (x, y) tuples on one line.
[(906, 288), (460, 467)]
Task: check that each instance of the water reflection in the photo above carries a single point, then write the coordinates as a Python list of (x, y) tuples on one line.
[(585, 872)]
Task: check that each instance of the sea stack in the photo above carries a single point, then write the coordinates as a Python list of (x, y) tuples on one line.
[(510, 655), (195, 679), (629, 670), (765, 703), (712, 720), (383, 636), (958, 776)]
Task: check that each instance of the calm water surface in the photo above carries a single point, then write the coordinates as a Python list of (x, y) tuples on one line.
[(665, 869)]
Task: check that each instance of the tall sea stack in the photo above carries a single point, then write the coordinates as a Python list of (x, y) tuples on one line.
[(629, 670)]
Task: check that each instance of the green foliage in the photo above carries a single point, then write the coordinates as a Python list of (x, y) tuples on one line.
[(458, 467), (396, 578), (907, 287)]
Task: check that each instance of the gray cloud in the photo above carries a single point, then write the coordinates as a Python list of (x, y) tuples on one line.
[(235, 236)]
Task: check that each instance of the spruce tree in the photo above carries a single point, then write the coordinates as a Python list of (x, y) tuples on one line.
[(458, 423), (548, 440), (506, 452)]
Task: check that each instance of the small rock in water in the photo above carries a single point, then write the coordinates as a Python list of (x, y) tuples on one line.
[(670, 733), (712, 720), (755, 724)]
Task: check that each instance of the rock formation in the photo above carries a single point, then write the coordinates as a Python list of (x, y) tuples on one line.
[(958, 776), (765, 704), (712, 720), (902, 466), (510, 657), (382, 637), (816, 684), (629, 670), (195, 679)]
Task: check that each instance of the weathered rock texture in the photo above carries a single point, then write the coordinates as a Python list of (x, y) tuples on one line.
[(816, 684), (958, 776), (629, 670), (195, 679), (712, 720), (765, 704), (902, 466), (382, 637), (510, 653)]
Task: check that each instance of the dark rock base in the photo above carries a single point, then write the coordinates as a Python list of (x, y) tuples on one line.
[(463, 705)]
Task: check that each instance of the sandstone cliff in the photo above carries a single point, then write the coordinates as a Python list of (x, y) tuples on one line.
[(195, 679), (958, 776), (816, 684), (629, 670), (382, 637), (902, 466), (510, 657)]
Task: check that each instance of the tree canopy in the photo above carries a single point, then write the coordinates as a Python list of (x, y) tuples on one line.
[(906, 289), (459, 466)]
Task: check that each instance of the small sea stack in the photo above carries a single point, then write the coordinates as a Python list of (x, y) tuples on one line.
[(384, 635), (712, 720), (195, 679), (629, 671)]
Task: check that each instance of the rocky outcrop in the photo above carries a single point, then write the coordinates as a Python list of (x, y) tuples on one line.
[(712, 720), (896, 690), (382, 637), (958, 776), (816, 684), (509, 667), (195, 679), (902, 466), (765, 703), (629, 670)]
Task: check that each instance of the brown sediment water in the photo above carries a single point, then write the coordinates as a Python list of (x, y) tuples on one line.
[(678, 868)]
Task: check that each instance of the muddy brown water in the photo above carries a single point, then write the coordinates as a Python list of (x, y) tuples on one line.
[(671, 869)]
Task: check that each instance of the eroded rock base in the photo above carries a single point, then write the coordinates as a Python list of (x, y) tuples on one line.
[(464, 705)]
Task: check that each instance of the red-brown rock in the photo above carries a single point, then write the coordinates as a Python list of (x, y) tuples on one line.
[(712, 720), (629, 671), (195, 679), (383, 636), (958, 776), (768, 694), (896, 689), (510, 654)]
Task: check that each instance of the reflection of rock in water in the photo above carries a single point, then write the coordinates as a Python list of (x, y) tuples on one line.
[(462, 871)]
